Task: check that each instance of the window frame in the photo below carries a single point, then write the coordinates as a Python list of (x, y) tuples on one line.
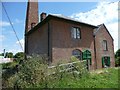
[(78, 55), (105, 46), (76, 32), (107, 62)]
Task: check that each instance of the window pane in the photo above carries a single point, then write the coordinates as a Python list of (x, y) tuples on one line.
[(77, 54), (74, 31), (104, 45), (78, 33)]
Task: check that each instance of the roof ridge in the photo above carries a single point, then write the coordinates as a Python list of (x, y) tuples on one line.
[(69, 18)]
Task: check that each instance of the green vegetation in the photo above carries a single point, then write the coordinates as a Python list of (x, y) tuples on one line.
[(9, 55), (34, 73), (117, 58), (18, 57), (9, 65), (1, 54), (108, 78)]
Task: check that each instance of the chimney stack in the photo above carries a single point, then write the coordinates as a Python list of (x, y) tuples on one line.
[(31, 15), (31, 20), (42, 16)]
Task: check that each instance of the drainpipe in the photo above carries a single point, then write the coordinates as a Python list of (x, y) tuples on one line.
[(49, 45), (95, 51)]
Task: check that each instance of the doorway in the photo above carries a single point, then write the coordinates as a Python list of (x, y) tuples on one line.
[(105, 61)]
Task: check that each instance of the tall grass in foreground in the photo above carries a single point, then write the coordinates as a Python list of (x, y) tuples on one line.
[(34, 73)]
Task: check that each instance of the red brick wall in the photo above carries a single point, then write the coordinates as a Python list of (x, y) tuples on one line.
[(38, 41), (63, 44), (31, 15), (101, 35)]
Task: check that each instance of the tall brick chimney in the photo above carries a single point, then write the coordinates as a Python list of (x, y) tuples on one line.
[(31, 20), (31, 15)]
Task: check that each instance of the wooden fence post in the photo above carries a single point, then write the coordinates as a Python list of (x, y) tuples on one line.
[(88, 64)]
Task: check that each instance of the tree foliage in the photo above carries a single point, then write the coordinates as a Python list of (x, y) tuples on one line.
[(9, 55), (1, 54), (117, 58), (19, 55)]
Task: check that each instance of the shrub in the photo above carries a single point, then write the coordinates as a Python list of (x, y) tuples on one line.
[(117, 61), (9, 65), (117, 58), (80, 67), (34, 73)]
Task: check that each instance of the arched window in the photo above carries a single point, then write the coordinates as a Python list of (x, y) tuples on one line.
[(77, 53)]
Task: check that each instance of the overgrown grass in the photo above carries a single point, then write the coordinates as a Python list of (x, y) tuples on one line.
[(108, 78), (33, 73)]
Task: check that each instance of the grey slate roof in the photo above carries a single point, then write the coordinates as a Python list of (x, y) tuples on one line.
[(59, 16), (69, 18)]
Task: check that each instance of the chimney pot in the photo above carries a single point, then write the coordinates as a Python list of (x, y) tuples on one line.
[(32, 25), (42, 16)]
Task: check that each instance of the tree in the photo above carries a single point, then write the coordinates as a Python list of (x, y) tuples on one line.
[(1, 54), (19, 55), (117, 58), (9, 55)]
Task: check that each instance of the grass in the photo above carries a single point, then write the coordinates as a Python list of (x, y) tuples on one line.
[(33, 73), (105, 78)]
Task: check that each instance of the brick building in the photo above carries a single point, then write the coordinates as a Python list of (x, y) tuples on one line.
[(60, 37)]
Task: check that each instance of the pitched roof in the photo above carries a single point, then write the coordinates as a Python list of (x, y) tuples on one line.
[(69, 18), (58, 16), (99, 26)]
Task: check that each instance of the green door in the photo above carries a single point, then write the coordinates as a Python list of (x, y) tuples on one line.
[(87, 56), (105, 61)]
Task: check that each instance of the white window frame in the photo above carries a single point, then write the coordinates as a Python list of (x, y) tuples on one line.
[(105, 47), (76, 33)]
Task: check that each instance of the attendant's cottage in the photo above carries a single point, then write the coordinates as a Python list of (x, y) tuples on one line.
[(60, 37)]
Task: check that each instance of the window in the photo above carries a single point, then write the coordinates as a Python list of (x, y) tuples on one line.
[(105, 45), (75, 33), (77, 53)]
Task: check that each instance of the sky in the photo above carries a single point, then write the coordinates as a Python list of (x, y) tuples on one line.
[(94, 13)]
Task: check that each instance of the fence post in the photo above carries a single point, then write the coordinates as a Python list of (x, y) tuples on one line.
[(88, 64)]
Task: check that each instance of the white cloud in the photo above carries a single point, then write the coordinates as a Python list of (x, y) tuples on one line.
[(4, 23), (18, 21), (105, 12), (21, 42), (2, 37), (14, 51), (16, 47)]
